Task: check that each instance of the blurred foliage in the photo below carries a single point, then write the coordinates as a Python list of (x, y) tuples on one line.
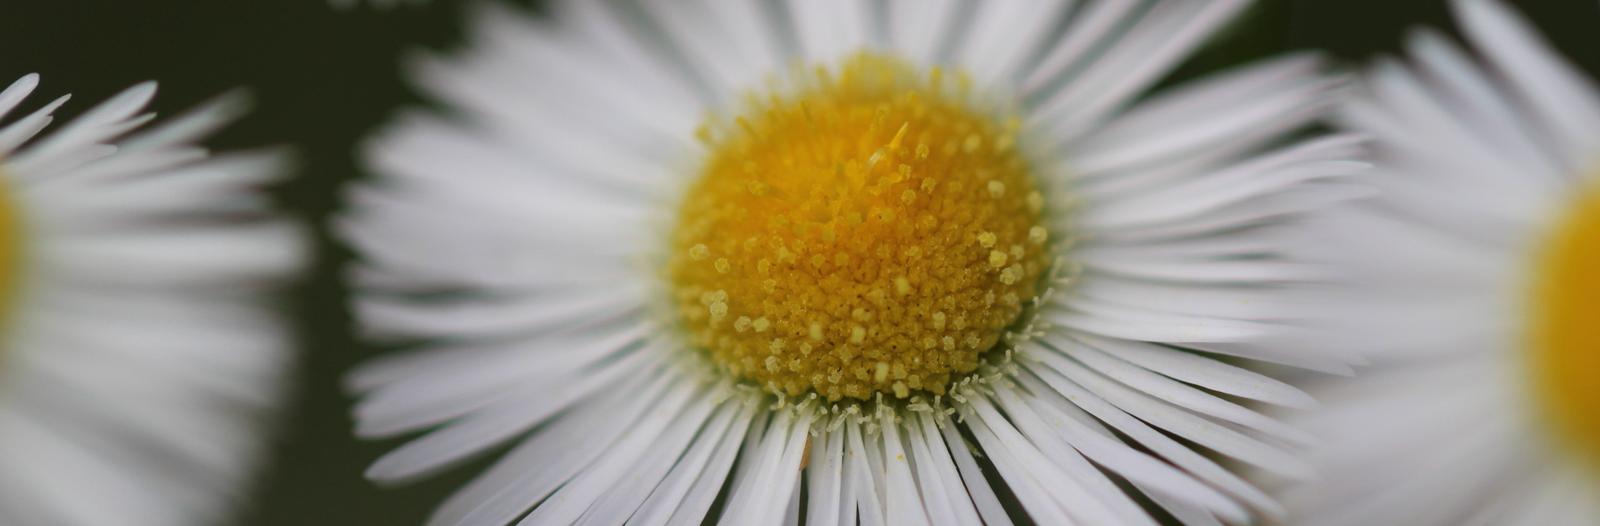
[(324, 79)]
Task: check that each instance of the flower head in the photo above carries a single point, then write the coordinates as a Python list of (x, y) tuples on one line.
[(141, 359), (1473, 275), (897, 261)]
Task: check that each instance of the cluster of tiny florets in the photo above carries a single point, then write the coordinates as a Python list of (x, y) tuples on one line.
[(870, 233), (1566, 357)]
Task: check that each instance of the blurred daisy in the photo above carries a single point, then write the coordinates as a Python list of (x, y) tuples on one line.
[(821, 260), (1478, 268), (139, 360)]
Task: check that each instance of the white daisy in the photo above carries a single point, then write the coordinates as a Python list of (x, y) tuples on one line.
[(1476, 274), (139, 360), (897, 262)]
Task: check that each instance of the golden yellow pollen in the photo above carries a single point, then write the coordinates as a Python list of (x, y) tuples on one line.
[(1566, 326), (872, 214)]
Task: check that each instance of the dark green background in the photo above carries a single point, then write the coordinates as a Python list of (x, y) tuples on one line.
[(323, 79)]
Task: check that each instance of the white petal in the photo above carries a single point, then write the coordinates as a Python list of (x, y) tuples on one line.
[(825, 479), (1182, 423), (732, 44), (1158, 442), (105, 121), (977, 486), (706, 462), (1115, 322), (1004, 35), (1177, 393), (1095, 24), (829, 29), (611, 489), (480, 318), (1557, 94), (548, 458), (693, 509), (15, 93), (13, 135), (1037, 500), (863, 481), (476, 377), (903, 503), (920, 30), (1205, 372), (505, 418), (1165, 36), (943, 495)]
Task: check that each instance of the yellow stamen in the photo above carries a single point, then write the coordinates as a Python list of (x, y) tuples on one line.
[(873, 215), (1566, 326)]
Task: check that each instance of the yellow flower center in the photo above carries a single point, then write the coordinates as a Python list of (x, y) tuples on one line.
[(1566, 326), (868, 233), (10, 247)]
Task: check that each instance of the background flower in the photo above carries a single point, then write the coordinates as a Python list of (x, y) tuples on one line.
[(1471, 279), (143, 366)]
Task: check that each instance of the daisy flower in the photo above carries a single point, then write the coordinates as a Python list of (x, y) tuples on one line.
[(1475, 273), (139, 359), (897, 263)]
